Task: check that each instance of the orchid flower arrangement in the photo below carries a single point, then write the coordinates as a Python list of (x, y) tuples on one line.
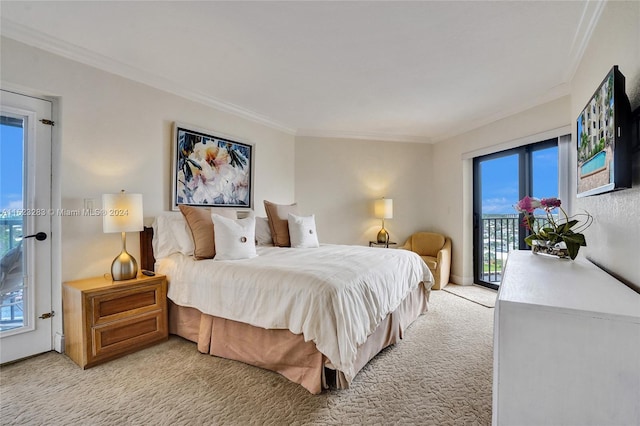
[(552, 230)]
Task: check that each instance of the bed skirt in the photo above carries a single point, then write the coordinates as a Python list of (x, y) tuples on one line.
[(287, 353)]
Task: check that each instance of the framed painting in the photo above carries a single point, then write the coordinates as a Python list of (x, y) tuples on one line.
[(210, 169)]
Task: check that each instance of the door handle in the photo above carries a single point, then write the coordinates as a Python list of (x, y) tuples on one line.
[(40, 236)]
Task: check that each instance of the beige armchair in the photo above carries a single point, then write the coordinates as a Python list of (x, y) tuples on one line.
[(435, 250)]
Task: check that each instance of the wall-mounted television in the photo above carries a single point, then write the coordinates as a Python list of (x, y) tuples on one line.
[(604, 138)]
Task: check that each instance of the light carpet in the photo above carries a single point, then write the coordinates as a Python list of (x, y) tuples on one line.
[(440, 374), (481, 295)]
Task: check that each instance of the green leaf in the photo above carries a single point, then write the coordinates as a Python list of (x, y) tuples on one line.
[(552, 236), (572, 248), (567, 226), (529, 239), (577, 239)]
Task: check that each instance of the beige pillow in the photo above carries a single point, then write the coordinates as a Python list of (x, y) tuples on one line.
[(201, 226), (277, 214)]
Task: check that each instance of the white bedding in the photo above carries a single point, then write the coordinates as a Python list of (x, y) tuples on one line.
[(334, 295)]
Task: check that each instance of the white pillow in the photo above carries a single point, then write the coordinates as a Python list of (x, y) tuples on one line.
[(171, 234), (263, 232), (302, 231), (234, 238)]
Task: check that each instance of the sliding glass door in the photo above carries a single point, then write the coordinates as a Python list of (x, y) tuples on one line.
[(500, 180)]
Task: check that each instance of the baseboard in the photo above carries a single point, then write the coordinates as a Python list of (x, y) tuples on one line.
[(455, 279), (58, 343)]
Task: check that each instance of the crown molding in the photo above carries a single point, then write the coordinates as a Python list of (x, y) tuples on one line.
[(37, 39), (588, 21), (76, 53), (387, 137)]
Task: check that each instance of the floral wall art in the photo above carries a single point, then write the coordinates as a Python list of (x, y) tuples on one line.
[(210, 170)]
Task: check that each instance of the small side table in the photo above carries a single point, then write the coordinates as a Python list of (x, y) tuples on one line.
[(384, 245), (105, 319)]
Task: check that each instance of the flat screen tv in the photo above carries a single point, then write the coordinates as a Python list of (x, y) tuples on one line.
[(604, 138)]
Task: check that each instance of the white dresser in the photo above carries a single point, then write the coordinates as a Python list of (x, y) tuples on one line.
[(566, 347)]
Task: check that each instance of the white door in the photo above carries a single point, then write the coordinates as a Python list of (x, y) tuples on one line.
[(25, 226)]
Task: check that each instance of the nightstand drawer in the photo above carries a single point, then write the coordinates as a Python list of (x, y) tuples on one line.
[(118, 337), (122, 304)]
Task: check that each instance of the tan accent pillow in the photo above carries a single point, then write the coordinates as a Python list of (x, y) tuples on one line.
[(277, 214), (202, 231), (201, 226)]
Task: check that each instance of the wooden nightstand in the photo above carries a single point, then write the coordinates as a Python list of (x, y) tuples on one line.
[(105, 319), (390, 244)]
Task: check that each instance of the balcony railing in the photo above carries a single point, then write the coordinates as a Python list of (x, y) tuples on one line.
[(500, 234), (11, 290)]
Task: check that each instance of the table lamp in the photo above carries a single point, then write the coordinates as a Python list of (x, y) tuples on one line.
[(383, 209), (122, 213)]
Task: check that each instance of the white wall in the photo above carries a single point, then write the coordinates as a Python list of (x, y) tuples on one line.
[(613, 238), (339, 179), (116, 134)]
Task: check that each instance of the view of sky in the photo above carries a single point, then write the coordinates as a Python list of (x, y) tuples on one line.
[(10, 167), (545, 173), (500, 180)]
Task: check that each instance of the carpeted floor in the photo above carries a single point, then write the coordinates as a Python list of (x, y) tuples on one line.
[(440, 374)]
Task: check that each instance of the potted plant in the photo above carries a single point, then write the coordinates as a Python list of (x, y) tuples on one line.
[(549, 234)]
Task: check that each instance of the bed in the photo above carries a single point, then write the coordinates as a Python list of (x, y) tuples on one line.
[(314, 315)]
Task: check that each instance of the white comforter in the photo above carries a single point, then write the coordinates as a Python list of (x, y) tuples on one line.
[(334, 295)]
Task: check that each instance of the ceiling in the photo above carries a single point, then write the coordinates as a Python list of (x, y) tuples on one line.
[(417, 71)]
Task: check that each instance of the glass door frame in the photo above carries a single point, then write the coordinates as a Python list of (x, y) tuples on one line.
[(525, 187), (35, 335)]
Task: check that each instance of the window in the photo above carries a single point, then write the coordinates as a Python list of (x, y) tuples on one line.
[(499, 181)]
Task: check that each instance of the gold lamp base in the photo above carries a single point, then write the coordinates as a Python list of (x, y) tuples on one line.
[(383, 236), (124, 267)]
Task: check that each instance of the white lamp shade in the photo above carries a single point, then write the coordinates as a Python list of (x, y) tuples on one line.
[(383, 208), (122, 212)]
